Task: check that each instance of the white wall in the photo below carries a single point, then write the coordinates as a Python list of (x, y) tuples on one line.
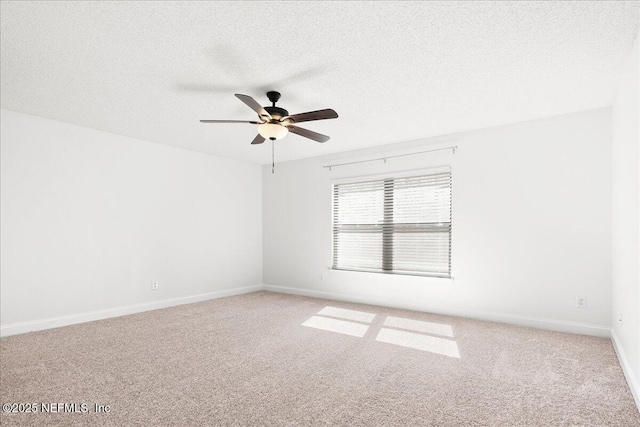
[(531, 225), (89, 219), (626, 217)]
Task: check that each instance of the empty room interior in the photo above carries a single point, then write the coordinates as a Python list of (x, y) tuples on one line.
[(320, 213)]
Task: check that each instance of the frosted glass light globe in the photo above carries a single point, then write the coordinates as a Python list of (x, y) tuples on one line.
[(272, 131)]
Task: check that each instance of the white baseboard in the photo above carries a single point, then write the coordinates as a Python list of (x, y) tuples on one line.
[(533, 322), (56, 322), (626, 368), (555, 325)]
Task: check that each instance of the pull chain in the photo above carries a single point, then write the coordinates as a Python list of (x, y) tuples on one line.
[(273, 161)]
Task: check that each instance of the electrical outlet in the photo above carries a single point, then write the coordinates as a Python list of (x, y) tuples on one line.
[(620, 320), (581, 302), (321, 277), (154, 286)]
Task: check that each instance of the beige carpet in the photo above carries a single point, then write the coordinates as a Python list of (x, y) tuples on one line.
[(249, 361)]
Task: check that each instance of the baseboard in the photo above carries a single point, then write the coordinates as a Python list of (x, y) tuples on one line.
[(533, 322), (626, 368), (56, 322), (555, 325)]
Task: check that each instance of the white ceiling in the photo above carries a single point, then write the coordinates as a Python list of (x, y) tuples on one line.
[(393, 71)]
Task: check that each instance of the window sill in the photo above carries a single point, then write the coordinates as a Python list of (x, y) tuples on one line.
[(395, 273)]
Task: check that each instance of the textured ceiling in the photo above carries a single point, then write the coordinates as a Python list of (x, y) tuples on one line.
[(394, 71)]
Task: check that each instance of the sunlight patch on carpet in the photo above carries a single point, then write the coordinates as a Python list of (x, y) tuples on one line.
[(335, 325), (419, 342), (419, 326), (343, 313)]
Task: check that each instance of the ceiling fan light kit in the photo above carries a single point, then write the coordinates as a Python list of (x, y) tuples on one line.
[(275, 122), (272, 131)]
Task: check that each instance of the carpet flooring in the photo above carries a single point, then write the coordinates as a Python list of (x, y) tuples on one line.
[(267, 359)]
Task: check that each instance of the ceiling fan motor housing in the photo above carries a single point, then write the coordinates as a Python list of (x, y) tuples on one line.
[(277, 112)]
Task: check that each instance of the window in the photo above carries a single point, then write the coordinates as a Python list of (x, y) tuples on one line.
[(394, 225)]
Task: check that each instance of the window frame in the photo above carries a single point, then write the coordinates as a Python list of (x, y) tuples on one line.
[(393, 175)]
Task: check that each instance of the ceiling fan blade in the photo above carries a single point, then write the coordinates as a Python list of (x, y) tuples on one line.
[(253, 104), (308, 133), (258, 139), (229, 121), (313, 115)]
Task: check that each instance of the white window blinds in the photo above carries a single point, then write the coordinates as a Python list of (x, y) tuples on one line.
[(394, 225)]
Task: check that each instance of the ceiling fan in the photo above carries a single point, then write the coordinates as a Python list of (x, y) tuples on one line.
[(275, 123)]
